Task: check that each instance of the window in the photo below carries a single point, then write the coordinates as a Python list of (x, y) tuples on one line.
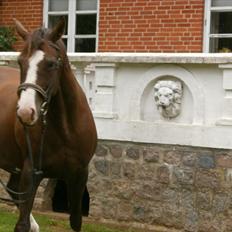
[(218, 27), (81, 22)]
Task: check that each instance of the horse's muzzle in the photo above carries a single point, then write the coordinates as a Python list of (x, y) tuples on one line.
[(26, 115)]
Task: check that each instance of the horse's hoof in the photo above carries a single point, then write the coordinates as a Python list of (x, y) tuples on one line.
[(34, 225), (75, 223)]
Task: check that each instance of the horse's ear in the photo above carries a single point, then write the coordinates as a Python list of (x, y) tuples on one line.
[(58, 30), (21, 29)]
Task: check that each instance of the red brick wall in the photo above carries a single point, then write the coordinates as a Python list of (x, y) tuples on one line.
[(151, 25), (29, 12), (129, 25)]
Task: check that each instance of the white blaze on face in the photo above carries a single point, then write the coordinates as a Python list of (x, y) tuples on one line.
[(34, 225), (27, 98)]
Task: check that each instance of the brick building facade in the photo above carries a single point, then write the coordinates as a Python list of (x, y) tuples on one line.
[(128, 25), (151, 26), (30, 13)]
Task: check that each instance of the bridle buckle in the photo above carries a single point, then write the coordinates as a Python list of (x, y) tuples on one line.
[(44, 111)]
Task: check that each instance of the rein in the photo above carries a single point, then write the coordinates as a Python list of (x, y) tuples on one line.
[(46, 96)]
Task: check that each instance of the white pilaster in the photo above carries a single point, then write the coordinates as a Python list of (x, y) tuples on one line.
[(226, 118), (105, 90)]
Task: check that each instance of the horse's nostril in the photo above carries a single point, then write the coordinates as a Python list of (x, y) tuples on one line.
[(32, 114)]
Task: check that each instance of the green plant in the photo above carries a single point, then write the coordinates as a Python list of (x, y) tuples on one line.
[(7, 38)]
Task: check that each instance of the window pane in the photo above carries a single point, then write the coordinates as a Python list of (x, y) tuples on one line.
[(221, 3), (85, 45), (58, 5), (221, 22), (86, 4), (53, 20), (86, 24), (221, 45)]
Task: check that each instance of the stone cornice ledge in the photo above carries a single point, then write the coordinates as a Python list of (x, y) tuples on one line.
[(174, 58)]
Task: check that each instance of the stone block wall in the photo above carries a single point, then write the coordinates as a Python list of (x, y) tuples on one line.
[(173, 187), (4, 176)]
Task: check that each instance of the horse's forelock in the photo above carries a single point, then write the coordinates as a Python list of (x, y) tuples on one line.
[(38, 37)]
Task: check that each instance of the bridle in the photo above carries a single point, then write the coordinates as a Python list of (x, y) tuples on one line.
[(45, 95)]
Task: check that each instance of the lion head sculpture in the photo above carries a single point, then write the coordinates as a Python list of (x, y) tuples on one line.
[(168, 96)]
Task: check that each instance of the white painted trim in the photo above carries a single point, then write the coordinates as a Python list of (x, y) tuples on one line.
[(138, 58), (58, 13), (85, 36), (45, 13), (71, 26), (229, 35), (221, 9), (149, 58), (206, 26), (81, 12), (97, 26)]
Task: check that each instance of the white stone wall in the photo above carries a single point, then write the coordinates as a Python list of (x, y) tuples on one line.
[(119, 87)]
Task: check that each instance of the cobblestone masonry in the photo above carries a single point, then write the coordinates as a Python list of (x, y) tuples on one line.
[(176, 188), (183, 188)]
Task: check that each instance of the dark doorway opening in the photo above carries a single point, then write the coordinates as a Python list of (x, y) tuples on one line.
[(60, 198)]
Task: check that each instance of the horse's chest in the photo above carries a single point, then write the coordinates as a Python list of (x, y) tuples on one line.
[(60, 158)]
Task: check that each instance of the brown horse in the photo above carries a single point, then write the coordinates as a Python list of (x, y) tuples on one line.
[(47, 129)]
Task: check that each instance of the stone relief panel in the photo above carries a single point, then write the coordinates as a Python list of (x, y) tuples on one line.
[(143, 107), (161, 103), (168, 97)]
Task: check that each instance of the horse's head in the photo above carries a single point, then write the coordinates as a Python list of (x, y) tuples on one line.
[(40, 67)]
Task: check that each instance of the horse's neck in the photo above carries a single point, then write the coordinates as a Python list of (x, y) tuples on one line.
[(65, 104)]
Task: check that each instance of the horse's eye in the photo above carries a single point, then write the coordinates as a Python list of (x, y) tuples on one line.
[(51, 65)]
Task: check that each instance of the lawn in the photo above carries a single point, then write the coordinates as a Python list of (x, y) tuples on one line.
[(50, 223)]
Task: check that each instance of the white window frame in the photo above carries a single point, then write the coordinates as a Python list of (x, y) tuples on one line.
[(72, 12), (207, 23)]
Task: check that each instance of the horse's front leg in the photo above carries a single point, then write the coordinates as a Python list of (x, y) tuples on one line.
[(13, 186), (28, 185), (76, 188)]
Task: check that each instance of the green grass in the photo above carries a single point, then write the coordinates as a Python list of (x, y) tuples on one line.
[(48, 223)]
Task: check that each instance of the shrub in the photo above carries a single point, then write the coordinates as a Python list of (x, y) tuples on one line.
[(7, 38)]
